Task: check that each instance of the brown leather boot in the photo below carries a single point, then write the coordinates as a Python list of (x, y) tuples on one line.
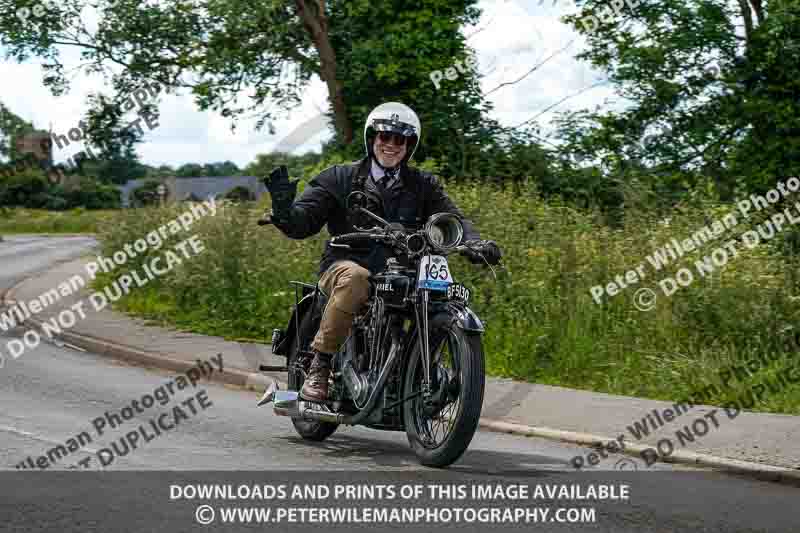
[(315, 387)]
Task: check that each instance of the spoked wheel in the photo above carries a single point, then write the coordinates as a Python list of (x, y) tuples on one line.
[(441, 427), (310, 430)]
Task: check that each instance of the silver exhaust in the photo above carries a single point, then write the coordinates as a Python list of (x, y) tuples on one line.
[(269, 393), (287, 403)]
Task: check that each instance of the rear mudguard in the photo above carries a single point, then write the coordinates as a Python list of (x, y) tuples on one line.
[(312, 299)]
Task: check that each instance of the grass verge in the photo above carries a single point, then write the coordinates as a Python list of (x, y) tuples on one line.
[(21, 221)]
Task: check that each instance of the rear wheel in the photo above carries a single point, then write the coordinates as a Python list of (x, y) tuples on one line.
[(440, 429), (309, 430)]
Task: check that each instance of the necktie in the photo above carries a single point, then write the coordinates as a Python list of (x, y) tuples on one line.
[(388, 178)]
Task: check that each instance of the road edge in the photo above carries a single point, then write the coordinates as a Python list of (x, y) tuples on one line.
[(254, 381), (259, 381), (755, 470)]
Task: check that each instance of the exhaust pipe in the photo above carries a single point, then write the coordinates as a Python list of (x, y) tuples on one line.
[(287, 403)]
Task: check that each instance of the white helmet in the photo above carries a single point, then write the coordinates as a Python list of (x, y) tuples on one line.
[(397, 118)]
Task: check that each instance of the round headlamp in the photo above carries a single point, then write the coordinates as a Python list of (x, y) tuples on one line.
[(444, 231)]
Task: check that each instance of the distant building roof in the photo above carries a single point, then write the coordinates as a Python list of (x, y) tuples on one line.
[(203, 187)]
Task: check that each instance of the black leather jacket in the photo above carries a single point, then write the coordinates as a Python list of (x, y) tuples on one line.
[(411, 200)]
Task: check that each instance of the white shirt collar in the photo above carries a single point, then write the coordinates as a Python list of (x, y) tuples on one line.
[(377, 173)]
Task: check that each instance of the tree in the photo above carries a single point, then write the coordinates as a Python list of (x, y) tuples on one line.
[(217, 49), (222, 46), (108, 129), (27, 188), (226, 168), (265, 163), (705, 98), (189, 170), (11, 128), (146, 194)]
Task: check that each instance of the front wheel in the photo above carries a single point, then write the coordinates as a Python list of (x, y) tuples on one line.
[(440, 428)]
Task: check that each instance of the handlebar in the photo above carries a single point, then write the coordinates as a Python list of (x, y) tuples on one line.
[(346, 239), (356, 237)]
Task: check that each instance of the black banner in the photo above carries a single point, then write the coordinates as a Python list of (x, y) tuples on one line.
[(392, 500)]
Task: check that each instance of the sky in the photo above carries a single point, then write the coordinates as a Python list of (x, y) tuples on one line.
[(511, 37)]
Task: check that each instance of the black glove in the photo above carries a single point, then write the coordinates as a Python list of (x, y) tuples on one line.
[(282, 191), (478, 251)]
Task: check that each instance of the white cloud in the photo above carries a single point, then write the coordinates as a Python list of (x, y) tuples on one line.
[(516, 35)]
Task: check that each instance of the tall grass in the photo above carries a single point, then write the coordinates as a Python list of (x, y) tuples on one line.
[(19, 220), (542, 323)]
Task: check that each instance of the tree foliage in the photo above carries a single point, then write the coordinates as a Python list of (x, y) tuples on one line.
[(270, 50), (221, 168), (12, 127), (713, 88), (115, 137)]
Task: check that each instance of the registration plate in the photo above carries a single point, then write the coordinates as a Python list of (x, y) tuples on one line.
[(457, 291), (434, 273)]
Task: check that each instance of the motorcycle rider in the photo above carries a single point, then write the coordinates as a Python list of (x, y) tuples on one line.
[(396, 192)]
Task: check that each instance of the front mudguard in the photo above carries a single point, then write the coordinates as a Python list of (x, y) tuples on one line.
[(442, 316), (467, 319)]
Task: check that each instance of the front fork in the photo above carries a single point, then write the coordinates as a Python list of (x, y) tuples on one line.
[(422, 320)]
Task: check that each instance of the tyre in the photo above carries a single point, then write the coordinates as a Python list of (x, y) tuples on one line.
[(440, 431), (309, 430)]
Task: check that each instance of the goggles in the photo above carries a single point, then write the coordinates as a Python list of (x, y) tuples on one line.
[(390, 137)]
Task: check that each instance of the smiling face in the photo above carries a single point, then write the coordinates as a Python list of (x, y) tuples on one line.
[(389, 154)]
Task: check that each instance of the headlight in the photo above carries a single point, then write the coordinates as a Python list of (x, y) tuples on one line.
[(444, 231)]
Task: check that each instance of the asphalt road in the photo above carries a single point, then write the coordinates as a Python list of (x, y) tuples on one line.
[(51, 395)]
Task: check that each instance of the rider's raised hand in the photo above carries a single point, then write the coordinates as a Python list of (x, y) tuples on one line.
[(282, 191)]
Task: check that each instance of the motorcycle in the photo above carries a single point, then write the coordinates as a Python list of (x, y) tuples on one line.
[(413, 360)]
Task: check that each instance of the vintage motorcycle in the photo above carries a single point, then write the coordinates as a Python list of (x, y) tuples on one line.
[(413, 361)]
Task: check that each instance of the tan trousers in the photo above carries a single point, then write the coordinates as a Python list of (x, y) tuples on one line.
[(347, 288)]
